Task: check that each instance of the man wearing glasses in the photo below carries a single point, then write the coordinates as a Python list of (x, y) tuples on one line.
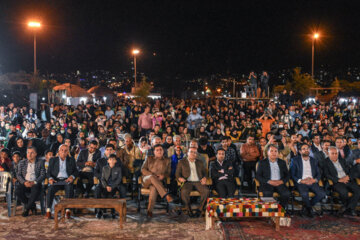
[(306, 175)]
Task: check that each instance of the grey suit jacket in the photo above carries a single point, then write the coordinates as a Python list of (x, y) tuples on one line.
[(40, 171)]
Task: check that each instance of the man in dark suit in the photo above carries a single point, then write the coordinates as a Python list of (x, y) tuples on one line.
[(341, 176), (343, 148), (354, 160), (322, 155), (316, 144), (61, 173), (222, 173), (109, 182), (86, 163), (191, 172), (30, 174), (272, 173), (306, 175)]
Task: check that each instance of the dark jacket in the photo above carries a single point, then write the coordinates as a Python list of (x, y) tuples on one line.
[(263, 172), (14, 170), (83, 157), (183, 169), (116, 177), (54, 166), (314, 149), (101, 163), (354, 155), (321, 157), (22, 170), (331, 172), (296, 168), (226, 166)]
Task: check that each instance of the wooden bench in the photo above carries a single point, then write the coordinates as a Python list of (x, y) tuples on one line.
[(118, 204)]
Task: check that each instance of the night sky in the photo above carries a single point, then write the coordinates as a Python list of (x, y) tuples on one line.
[(189, 38)]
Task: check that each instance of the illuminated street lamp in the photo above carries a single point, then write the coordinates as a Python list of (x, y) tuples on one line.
[(135, 52), (34, 26), (314, 37)]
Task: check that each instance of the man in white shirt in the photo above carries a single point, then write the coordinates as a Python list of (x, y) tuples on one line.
[(61, 173), (306, 174)]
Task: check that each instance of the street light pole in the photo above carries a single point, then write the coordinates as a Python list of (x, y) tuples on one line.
[(34, 26), (35, 71), (135, 69), (135, 52), (315, 36)]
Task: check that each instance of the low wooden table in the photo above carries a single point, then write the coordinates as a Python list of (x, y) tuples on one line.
[(242, 208), (118, 204)]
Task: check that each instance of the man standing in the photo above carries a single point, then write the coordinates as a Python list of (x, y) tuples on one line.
[(272, 173), (192, 174), (145, 122), (155, 169), (344, 182), (61, 173), (30, 174), (306, 174), (264, 81), (222, 173), (250, 153), (86, 163)]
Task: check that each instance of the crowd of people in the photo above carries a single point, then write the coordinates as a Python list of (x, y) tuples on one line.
[(76, 148)]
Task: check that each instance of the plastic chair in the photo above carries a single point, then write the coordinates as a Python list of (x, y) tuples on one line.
[(5, 188)]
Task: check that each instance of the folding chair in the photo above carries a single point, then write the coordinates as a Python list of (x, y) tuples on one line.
[(334, 195), (295, 193)]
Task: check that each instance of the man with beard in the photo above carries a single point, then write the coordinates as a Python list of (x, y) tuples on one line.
[(306, 174), (130, 155)]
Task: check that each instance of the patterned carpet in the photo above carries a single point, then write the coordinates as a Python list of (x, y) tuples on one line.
[(171, 226), (86, 226), (326, 227)]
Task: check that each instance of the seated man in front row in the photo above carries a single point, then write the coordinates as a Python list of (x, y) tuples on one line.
[(306, 174), (109, 182), (155, 169), (192, 173), (61, 173), (222, 173), (343, 180), (30, 174), (273, 174)]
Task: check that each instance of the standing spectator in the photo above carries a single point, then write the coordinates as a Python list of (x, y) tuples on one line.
[(145, 122), (250, 153), (264, 81)]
